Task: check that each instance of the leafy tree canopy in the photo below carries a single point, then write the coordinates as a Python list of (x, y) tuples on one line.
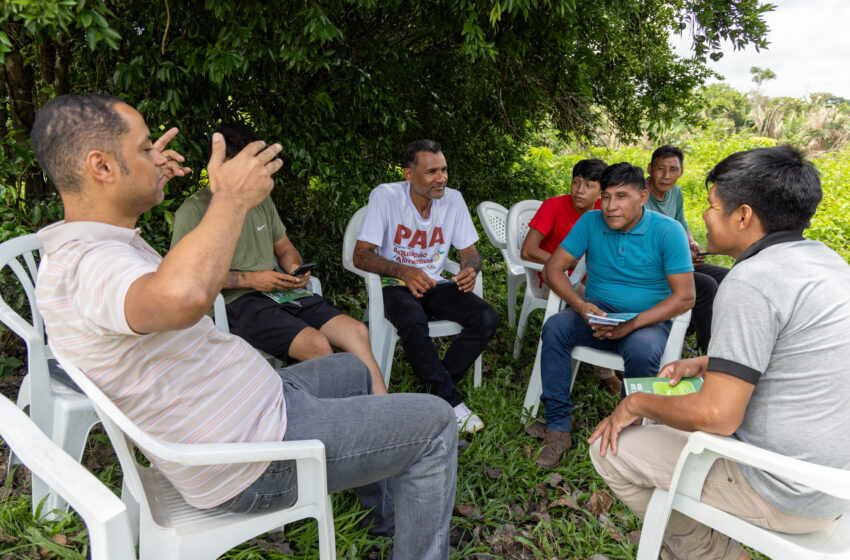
[(344, 84)]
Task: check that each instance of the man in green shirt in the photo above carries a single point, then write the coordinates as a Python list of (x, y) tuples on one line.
[(665, 197), (268, 308)]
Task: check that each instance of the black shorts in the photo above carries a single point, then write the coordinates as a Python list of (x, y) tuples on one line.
[(270, 326)]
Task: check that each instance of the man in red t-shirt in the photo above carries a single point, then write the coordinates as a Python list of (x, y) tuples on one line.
[(557, 215), (554, 220)]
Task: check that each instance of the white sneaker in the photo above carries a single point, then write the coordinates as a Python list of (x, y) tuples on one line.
[(467, 420)]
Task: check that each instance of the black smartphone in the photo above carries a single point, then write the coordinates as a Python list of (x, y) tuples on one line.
[(303, 269)]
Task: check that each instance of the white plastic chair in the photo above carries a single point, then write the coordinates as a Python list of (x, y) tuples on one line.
[(220, 311), (494, 219), (601, 358), (382, 333), (106, 519), (220, 315), (171, 529), (535, 296), (63, 414), (699, 454)]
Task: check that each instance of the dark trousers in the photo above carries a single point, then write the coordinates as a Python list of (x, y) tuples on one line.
[(410, 316), (707, 278)]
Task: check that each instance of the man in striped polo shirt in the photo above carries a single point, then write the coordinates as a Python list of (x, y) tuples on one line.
[(135, 323)]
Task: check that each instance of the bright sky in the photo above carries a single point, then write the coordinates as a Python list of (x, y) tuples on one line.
[(809, 50)]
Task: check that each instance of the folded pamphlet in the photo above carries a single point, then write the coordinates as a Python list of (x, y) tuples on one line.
[(284, 296), (661, 385), (611, 318)]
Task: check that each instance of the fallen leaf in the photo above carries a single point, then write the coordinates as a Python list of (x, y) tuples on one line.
[(615, 534), (508, 530), (542, 516), (600, 502), (60, 539), (634, 537), (553, 479), (466, 510), (564, 501), (7, 538), (598, 557), (537, 428), (493, 473)]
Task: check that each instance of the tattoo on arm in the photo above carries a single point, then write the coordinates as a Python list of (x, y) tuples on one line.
[(235, 280), (472, 259), (366, 259)]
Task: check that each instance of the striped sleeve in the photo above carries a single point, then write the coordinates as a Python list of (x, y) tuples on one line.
[(107, 271)]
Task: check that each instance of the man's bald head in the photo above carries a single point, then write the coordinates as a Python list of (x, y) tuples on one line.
[(67, 128)]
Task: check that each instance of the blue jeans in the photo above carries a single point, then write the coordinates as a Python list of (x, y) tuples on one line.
[(368, 438), (641, 351)]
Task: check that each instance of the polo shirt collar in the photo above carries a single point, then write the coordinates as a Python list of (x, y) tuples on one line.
[(60, 233), (640, 228), (785, 236)]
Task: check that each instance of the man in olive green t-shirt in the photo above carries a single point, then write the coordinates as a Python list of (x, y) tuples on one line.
[(272, 310)]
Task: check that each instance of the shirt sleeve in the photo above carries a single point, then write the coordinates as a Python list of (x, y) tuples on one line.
[(465, 233), (544, 220), (187, 218), (680, 211), (577, 241), (375, 221), (105, 275), (675, 251), (742, 348), (278, 229)]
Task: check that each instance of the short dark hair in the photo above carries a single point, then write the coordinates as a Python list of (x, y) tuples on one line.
[(779, 184), (590, 169), (68, 127), (408, 157), (236, 137), (667, 151), (623, 173)]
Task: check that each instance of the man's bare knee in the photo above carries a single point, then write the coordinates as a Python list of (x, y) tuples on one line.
[(309, 344)]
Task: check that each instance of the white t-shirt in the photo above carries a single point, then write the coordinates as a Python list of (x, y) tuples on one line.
[(401, 235)]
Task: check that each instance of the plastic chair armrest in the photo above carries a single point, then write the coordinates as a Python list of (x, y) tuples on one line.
[(226, 453), (829, 480)]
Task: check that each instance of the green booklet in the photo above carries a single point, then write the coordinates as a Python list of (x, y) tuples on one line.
[(390, 281), (661, 385), (284, 296)]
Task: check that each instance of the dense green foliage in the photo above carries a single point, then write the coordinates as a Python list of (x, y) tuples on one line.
[(344, 84)]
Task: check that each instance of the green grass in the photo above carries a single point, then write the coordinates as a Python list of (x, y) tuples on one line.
[(509, 518), (502, 497)]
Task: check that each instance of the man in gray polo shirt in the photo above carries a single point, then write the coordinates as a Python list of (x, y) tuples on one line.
[(775, 373)]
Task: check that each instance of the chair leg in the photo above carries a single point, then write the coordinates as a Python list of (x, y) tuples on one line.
[(386, 358), (576, 365), (523, 321), (70, 432), (535, 385), (327, 540), (514, 282), (476, 379), (132, 511), (652, 532), (23, 402)]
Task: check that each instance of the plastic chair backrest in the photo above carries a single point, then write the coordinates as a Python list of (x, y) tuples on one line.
[(493, 217), (12, 252), (349, 240), (105, 516), (519, 216), (692, 467)]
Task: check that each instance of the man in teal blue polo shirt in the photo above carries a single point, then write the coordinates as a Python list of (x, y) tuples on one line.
[(637, 262)]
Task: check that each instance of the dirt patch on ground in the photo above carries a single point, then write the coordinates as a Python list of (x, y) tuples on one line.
[(9, 386)]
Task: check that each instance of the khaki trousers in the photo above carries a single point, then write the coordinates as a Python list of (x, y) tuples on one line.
[(645, 460)]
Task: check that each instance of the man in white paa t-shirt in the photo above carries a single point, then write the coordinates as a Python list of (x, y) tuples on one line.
[(405, 237)]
